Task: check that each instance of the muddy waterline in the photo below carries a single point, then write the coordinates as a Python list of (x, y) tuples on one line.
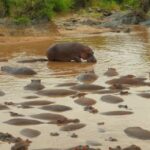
[(128, 53)]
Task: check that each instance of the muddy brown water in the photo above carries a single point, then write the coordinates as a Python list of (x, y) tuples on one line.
[(128, 53)]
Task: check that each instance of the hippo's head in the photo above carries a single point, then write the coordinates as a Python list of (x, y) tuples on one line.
[(88, 54)]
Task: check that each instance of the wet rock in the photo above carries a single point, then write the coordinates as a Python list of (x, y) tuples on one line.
[(72, 127), (14, 114), (87, 77), (124, 93), (129, 80), (132, 147), (67, 84), (84, 101), (35, 85), (83, 147), (145, 95), (31, 97), (90, 109), (50, 116), (93, 143), (111, 72), (33, 60), (80, 94), (123, 106), (56, 108), (54, 134), (31, 133), (21, 145), (138, 132), (22, 122), (3, 107), (111, 139), (100, 123), (87, 87), (111, 99), (73, 135), (36, 103), (119, 87), (65, 121), (117, 113), (56, 92), (18, 70), (2, 93), (9, 103)]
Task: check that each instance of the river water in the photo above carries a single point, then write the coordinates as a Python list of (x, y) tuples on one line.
[(128, 53)]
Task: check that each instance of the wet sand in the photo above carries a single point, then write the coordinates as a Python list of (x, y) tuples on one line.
[(128, 53)]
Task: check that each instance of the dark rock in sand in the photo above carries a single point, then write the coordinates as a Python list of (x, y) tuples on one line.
[(145, 95), (14, 114), (87, 87), (21, 145), (73, 135), (67, 84), (35, 85), (119, 87), (3, 107), (31, 97), (111, 72), (80, 94), (117, 113), (111, 99), (138, 132), (72, 127), (56, 92), (87, 77), (84, 101), (36, 103), (111, 139), (22, 122), (49, 116), (2, 93), (54, 134), (56, 108), (31, 133), (18, 70), (132, 147)]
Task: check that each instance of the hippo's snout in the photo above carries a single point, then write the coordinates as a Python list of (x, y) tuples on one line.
[(92, 59)]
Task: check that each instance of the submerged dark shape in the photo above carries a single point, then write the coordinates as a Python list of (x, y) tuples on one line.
[(22, 122), (72, 127), (111, 99), (18, 70), (138, 132), (129, 80), (2, 93), (70, 51), (56, 92), (35, 85), (111, 72), (31, 133), (87, 77), (87, 87)]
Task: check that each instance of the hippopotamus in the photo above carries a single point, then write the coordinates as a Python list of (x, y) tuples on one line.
[(70, 51)]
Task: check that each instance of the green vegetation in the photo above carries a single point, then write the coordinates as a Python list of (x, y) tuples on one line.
[(26, 11)]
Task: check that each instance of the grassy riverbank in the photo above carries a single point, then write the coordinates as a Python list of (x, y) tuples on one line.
[(31, 11)]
